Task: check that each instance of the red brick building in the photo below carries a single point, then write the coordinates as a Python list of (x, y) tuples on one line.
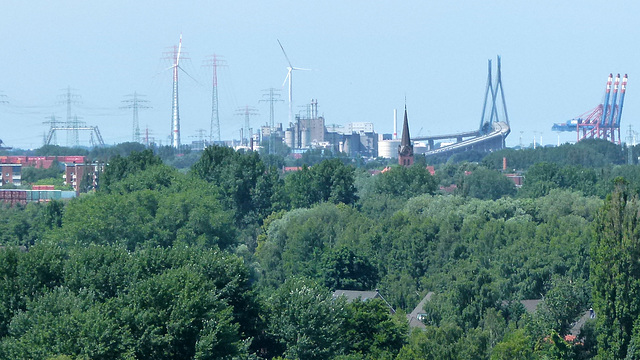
[(11, 174), (74, 173)]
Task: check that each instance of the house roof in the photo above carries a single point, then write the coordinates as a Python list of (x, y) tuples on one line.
[(531, 305), (352, 295), (577, 326), (413, 316)]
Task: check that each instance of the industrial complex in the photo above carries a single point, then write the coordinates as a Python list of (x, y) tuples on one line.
[(357, 139)]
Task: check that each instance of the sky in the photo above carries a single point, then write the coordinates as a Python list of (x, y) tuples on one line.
[(366, 58)]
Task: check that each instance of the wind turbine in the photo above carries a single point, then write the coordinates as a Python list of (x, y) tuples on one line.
[(289, 77), (175, 110)]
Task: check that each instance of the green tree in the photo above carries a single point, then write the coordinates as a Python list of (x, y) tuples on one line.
[(63, 323), (343, 268), (616, 273), (236, 175), (306, 321), (330, 180), (540, 179), (405, 182), (120, 167), (487, 185), (516, 345), (31, 174), (369, 328), (179, 314), (565, 302)]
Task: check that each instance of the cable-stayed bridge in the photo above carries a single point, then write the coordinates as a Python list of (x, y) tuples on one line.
[(494, 124)]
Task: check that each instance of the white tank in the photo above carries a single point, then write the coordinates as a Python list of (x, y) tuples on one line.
[(419, 148), (388, 148), (288, 138), (306, 138)]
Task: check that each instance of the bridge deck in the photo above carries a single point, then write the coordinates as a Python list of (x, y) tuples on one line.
[(500, 131)]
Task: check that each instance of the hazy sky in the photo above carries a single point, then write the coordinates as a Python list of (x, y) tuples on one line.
[(366, 57)]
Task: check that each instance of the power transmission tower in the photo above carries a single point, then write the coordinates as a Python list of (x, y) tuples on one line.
[(69, 99), (148, 139), (215, 61), (2, 96), (247, 111), (273, 97), (201, 138), (135, 103), (631, 143), (54, 123), (75, 125)]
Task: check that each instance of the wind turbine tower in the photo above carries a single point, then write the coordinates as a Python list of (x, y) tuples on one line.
[(175, 110), (289, 77)]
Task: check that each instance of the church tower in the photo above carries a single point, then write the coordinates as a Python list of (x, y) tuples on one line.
[(405, 150)]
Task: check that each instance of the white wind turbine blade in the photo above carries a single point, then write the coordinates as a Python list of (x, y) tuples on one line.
[(296, 68), (285, 54), (179, 49), (287, 77), (189, 75)]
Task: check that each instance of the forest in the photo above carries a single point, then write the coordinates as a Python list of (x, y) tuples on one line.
[(230, 258)]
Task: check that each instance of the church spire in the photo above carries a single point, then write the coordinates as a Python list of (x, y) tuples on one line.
[(406, 139), (405, 150)]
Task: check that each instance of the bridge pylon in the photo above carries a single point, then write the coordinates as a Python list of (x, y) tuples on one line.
[(495, 104)]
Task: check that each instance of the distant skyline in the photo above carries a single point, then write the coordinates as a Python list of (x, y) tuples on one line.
[(365, 58)]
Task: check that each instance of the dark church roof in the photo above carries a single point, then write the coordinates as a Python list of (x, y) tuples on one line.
[(406, 139)]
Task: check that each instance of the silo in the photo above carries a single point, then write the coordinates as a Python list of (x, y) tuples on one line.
[(306, 138), (288, 138), (388, 148)]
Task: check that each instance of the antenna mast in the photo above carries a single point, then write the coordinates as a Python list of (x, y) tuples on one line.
[(135, 103), (215, 61)]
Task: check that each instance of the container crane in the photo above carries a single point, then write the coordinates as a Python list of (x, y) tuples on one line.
[(603, 121)]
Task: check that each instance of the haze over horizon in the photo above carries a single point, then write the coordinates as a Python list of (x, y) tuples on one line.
[(365, 56)]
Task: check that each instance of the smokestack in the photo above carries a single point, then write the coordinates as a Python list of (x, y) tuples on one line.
[(504, 164), (395, 124)]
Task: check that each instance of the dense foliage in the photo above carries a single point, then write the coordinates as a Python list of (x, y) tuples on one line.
[(235, 259)]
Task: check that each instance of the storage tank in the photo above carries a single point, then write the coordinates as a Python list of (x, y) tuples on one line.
[(288, 138), (306, 138), (420, 148), (388, 148)]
